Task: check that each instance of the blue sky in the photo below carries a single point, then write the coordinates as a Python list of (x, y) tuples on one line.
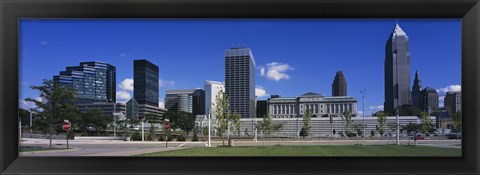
[(295, 56)]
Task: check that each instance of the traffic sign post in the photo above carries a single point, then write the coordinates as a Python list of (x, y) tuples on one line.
[(166, 126), (66, 128)]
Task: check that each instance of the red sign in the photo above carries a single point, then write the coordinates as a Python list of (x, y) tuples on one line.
[(66, 125), (166, 125)]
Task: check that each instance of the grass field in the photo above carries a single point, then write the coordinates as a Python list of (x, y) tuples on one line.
[(38, 149), (324, 150)]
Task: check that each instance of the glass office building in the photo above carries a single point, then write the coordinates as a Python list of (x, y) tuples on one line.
[(145, 82), (397, 70), (93, 81), (189, 100), (240, 81)]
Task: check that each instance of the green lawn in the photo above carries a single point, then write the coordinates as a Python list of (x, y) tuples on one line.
[(324, 150), (38, 149)]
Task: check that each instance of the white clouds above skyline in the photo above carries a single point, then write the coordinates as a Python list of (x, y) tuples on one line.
[(377, 108), (27, 104), (123, 96), (275, 71), (260, 92), (161, 103), (126, 85), (444, 90)]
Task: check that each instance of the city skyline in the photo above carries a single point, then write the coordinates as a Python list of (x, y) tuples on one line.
[(287, 76)]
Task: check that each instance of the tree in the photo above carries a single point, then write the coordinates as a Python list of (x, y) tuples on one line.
[(221, 112), (426, 124), (307, 117), (392, 127), (93, 120), (56, 97), (411, 127), (303, 132), (347, 117), (181, 120), (152, 119), (357, 128), (236, 123), (457, 121), (266, 126), (381, 119), (277, 127)]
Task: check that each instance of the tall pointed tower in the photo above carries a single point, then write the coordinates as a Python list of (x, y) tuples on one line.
[(397, 70), (416, 90)]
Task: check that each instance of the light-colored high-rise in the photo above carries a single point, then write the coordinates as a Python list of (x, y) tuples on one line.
[(212, 88), (240, 81)]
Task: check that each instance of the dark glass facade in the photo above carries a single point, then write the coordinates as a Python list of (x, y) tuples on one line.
[(190, 100), (261, 108), (339, 85), (93, 81), (145, 82), (429, 99), (240, 81), (397, 70)]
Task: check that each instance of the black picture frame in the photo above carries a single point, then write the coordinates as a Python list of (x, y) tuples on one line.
[(13, 10)]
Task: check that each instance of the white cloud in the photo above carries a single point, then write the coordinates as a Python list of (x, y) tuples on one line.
[(123, 96), (27, 104), (378, 108), (276, 71), (44, 43), (443, 91), (262, 71), (161, 103), (441, 100), (359, 113), (260, 92), (126, 85), (165, 83), (123, 54)]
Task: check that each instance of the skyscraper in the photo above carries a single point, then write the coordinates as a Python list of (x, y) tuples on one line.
[(339, 85), (212, 88), (416, 91), (145, 82), (453, 102), (429, 99), (397, 70), (240, 81), (189, 100), (93, 81)]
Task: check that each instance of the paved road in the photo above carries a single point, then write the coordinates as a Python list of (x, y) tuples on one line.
[(123, 148)]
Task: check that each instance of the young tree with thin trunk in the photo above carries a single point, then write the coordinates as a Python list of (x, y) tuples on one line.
[(382, 120), (55, 97), (307, 117), (347, 117), (221, 112)]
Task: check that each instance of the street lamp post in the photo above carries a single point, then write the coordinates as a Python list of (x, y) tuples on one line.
[(30, 128), (363, 112), (114, 119), (209, 137)]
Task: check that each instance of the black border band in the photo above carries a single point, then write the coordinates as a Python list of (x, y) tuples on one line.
[(11, 11)]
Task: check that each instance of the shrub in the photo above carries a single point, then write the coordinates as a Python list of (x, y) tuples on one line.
[(136, 136), (195, 138), (181, 138), (303, 132), (162, 138)]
